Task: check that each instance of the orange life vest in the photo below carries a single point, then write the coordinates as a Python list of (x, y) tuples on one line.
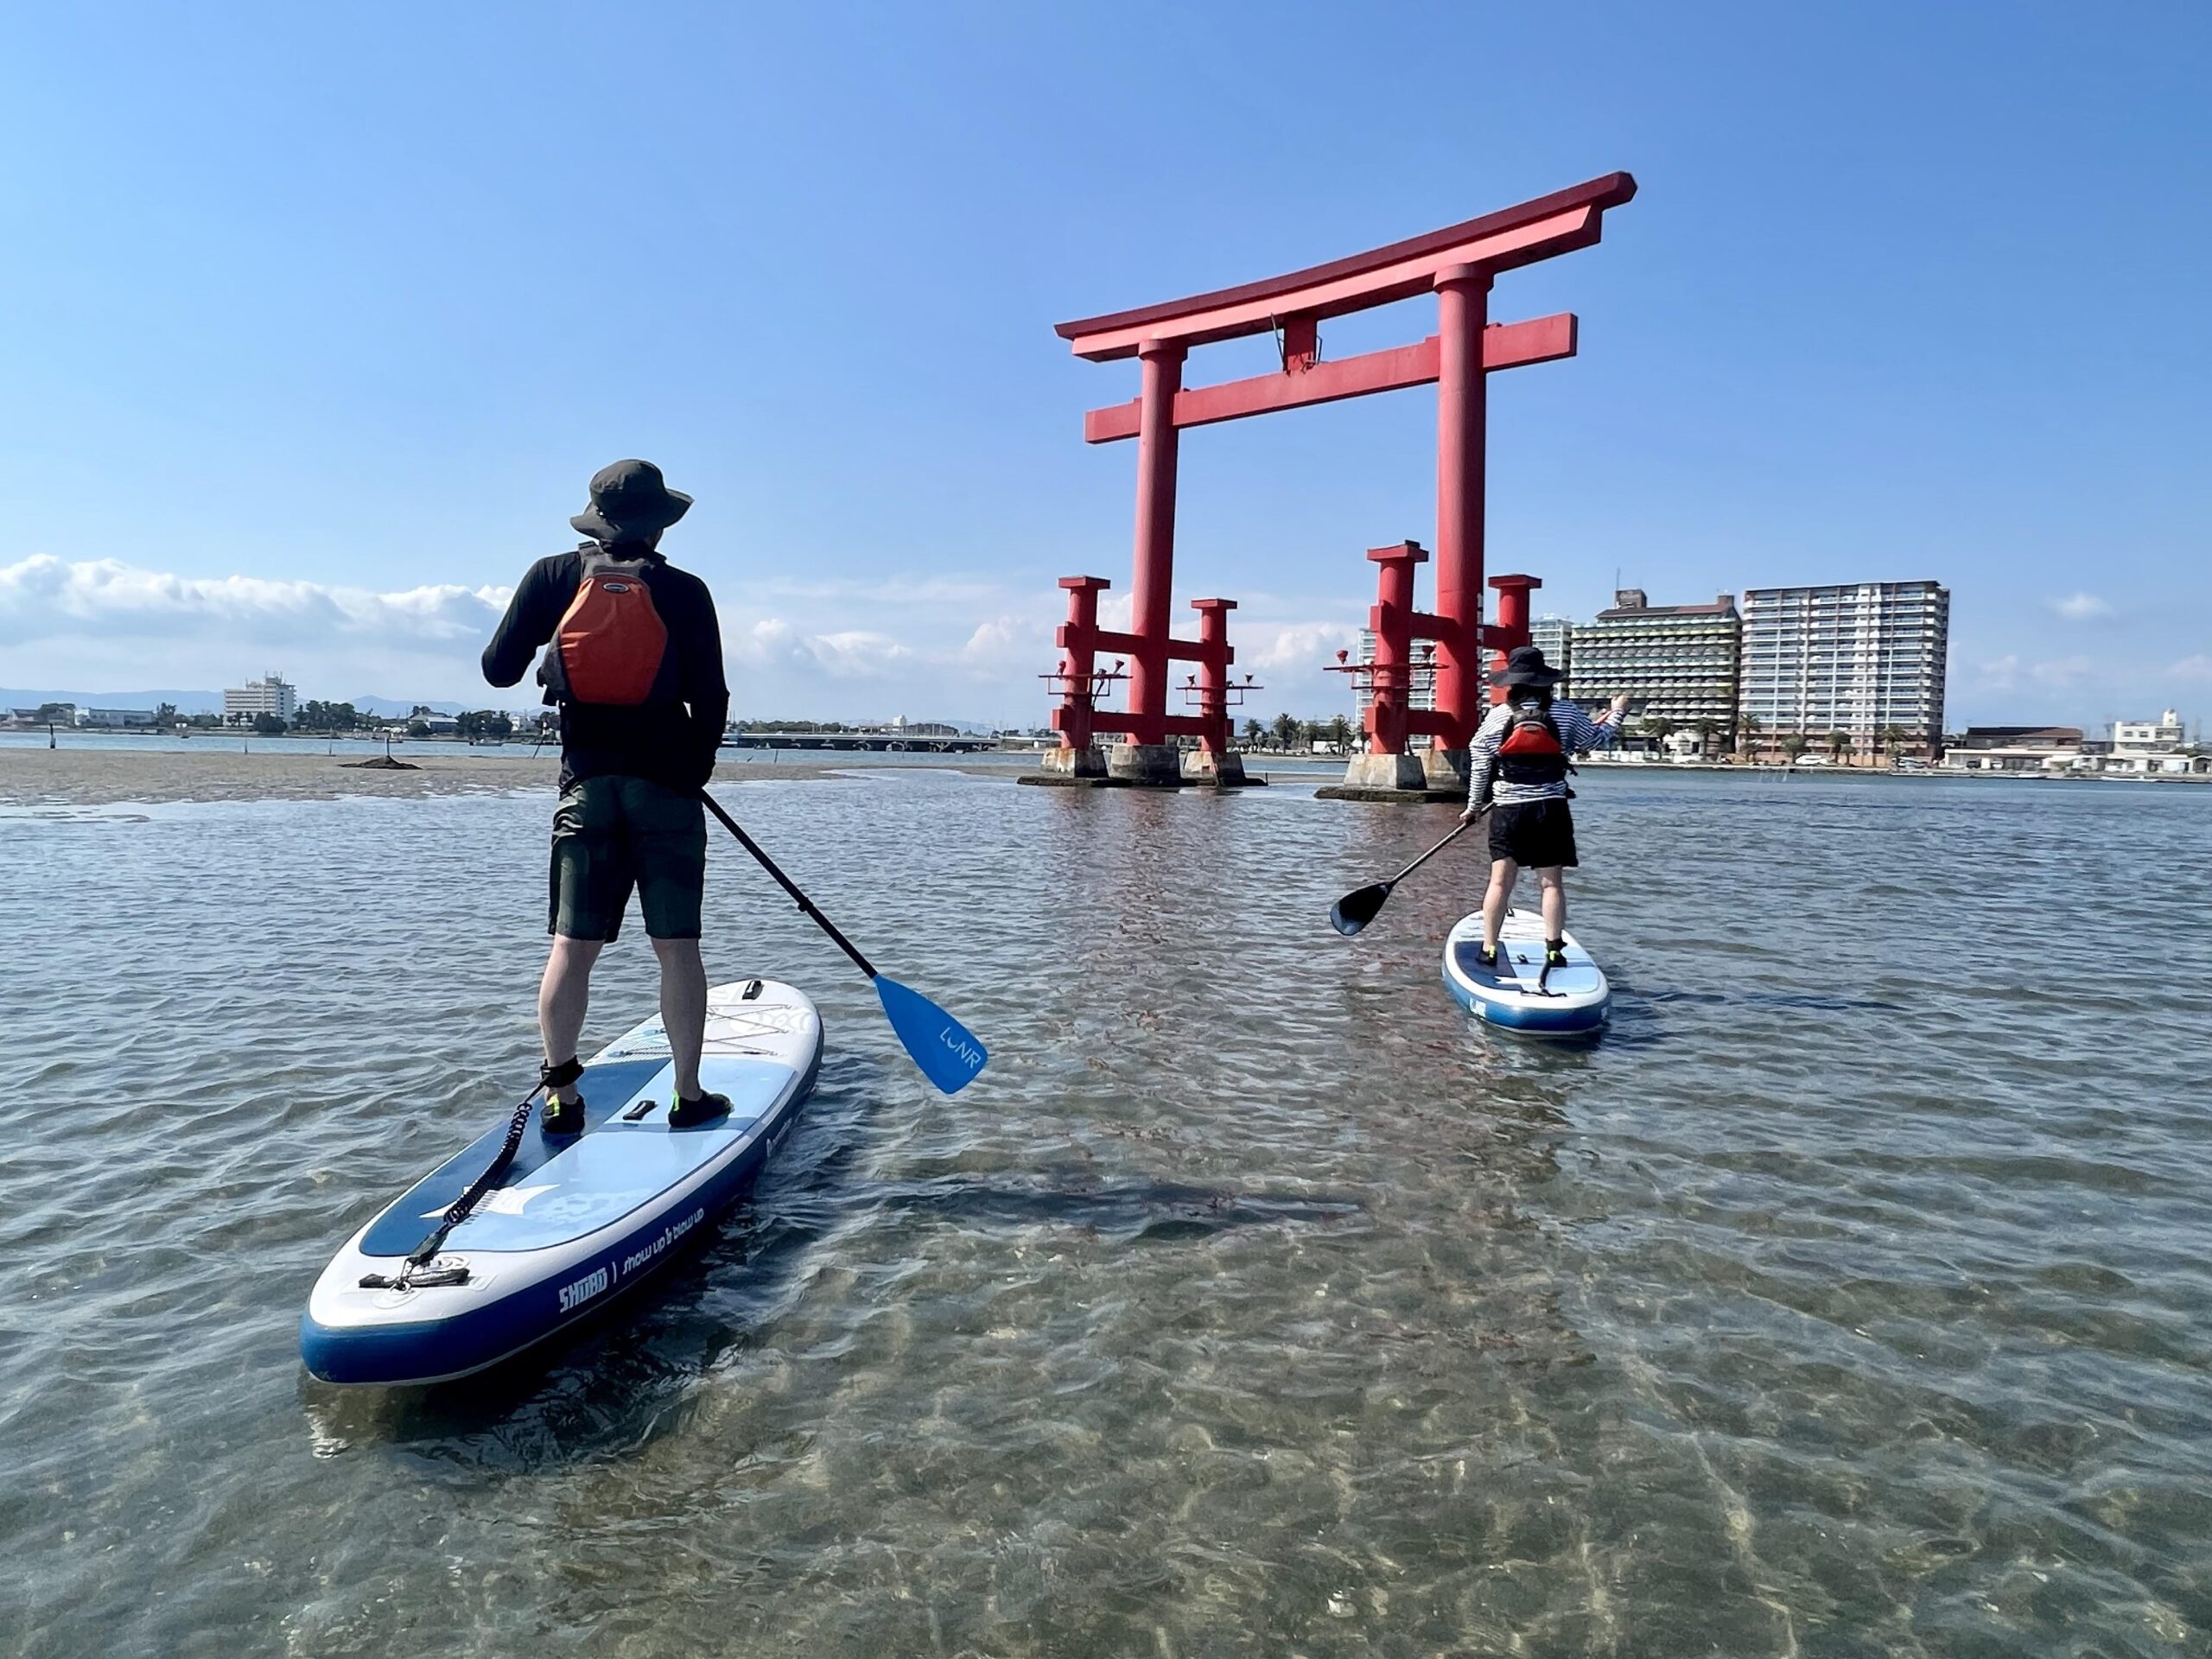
[(612, 647), (1530, 752)]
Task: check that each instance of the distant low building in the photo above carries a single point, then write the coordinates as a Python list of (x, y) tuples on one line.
[(268, 696), (2149, 745), (899, 725), (2014, 748), (113, 718)]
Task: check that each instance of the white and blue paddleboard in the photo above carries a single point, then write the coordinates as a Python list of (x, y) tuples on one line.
[(1518, 993), (575, 1222)]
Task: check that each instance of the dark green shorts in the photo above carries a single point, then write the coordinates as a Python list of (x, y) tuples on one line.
[(611, 834)]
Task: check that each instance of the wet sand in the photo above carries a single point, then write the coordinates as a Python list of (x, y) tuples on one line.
[(111, 777)]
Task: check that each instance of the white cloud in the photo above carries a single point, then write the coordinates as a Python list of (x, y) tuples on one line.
[(2198, 667), (2081, 608), (1305, 647), (1999, 673), (2064, 670), (1007, 642), (42, 597)]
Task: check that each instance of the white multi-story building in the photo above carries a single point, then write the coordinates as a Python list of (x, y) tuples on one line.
[(1864, 658), (1677, 662), (2160, 745), (1553, 635), (269, 696)]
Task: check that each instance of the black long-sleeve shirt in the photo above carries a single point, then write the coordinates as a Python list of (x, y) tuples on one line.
[(668, 742)]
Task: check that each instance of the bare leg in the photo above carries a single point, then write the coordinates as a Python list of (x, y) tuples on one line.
[(683, 1008), (564, 994), (1554, 885), (1502, 873)]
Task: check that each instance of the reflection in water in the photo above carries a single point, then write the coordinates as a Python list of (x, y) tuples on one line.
[(1254, 1301)]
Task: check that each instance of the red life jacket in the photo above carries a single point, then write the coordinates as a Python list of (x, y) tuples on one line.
[(1530, 752), (612, 647)]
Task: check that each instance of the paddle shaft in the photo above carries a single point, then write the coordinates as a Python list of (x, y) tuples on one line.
[(789, 885), (1459, 829)]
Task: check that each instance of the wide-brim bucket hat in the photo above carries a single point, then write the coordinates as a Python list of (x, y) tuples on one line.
[(630, 499), (1525, 665)]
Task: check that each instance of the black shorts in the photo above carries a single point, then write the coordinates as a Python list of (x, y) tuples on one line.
[(1536, 835), (613, 835)]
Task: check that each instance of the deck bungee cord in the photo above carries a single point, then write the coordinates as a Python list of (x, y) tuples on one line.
[(412, 1275)]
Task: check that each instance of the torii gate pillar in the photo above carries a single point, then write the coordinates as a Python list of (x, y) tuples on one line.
[(1462, 442)]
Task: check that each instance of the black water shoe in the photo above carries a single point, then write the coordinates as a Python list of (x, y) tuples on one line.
[(1555, 953), (565, 1107), (1487, 956), (687, 1113)]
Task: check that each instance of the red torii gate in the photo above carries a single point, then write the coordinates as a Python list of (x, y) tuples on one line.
[(1459, 264)]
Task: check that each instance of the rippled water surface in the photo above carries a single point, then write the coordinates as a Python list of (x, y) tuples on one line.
[(1849, 1296)]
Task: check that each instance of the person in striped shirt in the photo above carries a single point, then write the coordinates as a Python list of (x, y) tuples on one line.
[(1518, 765)]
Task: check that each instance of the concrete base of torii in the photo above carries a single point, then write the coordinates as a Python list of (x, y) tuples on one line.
[(1396, 780), (1217, 771), (1145, 765), (1066, 768), (1087, 762), (1448, 769)]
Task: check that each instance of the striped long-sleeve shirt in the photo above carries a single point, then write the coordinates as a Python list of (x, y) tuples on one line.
[(1578, 735)]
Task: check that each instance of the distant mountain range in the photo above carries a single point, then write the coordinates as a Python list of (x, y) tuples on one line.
[(191, 702)]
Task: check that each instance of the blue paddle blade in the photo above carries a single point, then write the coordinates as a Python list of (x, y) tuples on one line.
[(947, 1053)]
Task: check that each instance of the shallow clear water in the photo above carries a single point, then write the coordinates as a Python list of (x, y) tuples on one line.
[(1850, 1296)]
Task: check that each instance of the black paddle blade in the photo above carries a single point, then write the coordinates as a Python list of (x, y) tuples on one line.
[(1356, 910)]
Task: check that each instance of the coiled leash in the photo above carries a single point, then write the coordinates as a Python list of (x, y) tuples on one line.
[(413, 1276)]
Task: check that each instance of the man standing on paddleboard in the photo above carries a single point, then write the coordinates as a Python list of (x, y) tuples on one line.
[(636, 672), (1518, 768)]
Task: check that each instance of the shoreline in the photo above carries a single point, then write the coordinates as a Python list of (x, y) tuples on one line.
[(75, 777), (31, 778)]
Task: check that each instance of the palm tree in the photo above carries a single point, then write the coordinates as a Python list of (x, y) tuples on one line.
[(1747, 733), (1255, 733), (1658, 728), (1838, 745), (1340, 734), (1889, 738), (1707, 726), (1795, 744), (1286, 733)]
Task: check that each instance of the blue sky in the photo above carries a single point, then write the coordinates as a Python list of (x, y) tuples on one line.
[(314, 321)]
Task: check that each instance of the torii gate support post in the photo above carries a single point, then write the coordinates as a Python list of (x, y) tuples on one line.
[(1079, 720), (1074, 719), (1214, 761), (1511, 631), (1386, 766)]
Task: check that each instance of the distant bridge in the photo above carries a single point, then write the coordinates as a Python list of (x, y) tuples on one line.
[(858, 742)]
